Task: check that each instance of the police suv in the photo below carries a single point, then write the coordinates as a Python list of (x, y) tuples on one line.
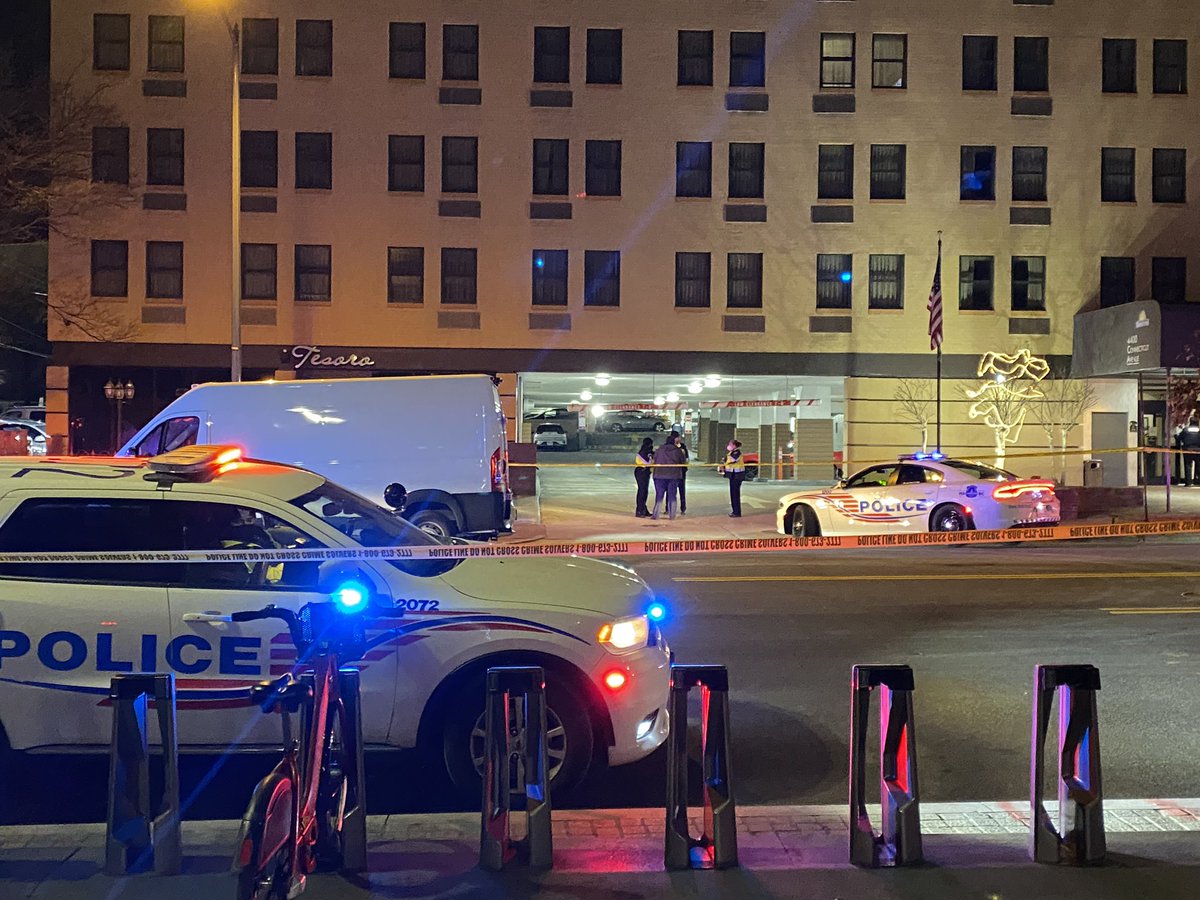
[(920, 492), (67, 626)]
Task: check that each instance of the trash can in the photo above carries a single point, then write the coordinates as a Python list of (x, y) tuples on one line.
[(1093, 473)]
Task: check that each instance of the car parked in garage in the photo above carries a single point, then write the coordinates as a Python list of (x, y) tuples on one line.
[(633, 420)]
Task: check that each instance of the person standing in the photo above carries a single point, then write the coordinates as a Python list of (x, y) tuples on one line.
[(668, 471), (1189, 441), (683, 478), (734, 468), (642, 461)]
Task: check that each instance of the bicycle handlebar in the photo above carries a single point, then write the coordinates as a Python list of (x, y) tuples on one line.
[(271, 611)]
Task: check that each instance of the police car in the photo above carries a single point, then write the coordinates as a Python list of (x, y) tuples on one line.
[(920, 492), (67, 627)]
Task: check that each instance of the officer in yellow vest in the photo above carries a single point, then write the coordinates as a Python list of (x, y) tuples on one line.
[(734, 468)]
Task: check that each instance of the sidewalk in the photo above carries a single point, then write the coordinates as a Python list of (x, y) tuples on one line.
[(972, 850)]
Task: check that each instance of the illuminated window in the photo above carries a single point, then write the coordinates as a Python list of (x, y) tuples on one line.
[(549, 278), (834, 280)]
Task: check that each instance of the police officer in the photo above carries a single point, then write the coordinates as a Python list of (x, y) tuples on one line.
[(734, 468), (1189, 441)]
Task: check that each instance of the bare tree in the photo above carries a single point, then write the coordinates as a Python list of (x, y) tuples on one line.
[(1003, 398), (1060, 411), (916, 398)]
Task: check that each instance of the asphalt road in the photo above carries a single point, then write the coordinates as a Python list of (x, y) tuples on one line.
[(972, 622)]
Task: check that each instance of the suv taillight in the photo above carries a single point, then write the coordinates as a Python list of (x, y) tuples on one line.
[(499, 472)]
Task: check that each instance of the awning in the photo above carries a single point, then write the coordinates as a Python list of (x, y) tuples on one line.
[(1136, 337)]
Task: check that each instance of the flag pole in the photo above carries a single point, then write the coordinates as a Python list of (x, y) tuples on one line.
[(939, 358)]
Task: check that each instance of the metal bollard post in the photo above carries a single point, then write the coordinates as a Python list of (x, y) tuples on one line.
[(354, 823), (140, 837), (899, 840), (716, 848), (1079, 837), (516, 763)]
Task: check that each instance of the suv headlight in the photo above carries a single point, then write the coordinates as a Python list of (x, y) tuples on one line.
[(624, 634)]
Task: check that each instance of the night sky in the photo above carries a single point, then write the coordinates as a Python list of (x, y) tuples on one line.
[(25, 33)]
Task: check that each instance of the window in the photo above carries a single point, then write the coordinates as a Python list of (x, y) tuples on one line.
[(975, 282), (406, 275), (258, 272), (1031, 64), (406, 162), (260, 46), (696, 57), (172, 434), (460, 52), (551, 55), (837, 60), (602, 177), (459, 276), (460, 165), (693, 280), (888, 165), (406, 50), (88, 525), (1170, 67), (746, 170), (314, 47), (1029, 173), (1028, 283), (601, 278), (164, 156), (1116, 280), (314, 271), (314, 160), (878, 476), (165, 44), (1168, 279), (747, 59), (979, 63), (164, 270), (886, 281), (1117, 166), (889, 63), (110, 268), (1119, 61), (551, 166), (835, 172), (604, 56), (744, 281), (110, 155), (1170, 176), (835, 275), (549, 278), (110, 42), (260, 159), (693, 169), (223, 526), (978, 173)]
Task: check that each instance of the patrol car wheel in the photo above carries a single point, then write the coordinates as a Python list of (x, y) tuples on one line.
[(434, 522), (569, 738), (804, 522), (950, 518)]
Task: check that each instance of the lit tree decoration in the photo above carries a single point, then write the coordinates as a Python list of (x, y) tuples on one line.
[(1003, 399)]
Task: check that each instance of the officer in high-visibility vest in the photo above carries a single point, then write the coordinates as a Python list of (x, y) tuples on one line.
[(734, 468)]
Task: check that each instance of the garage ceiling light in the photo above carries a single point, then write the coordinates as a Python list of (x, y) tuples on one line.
[(672, 397), (695, 387), (585, 395), (712, 381), (660, 400), (598, 410), (602, 380)]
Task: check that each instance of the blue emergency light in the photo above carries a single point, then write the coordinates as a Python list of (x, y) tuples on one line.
[(351, 597), (656, 612)]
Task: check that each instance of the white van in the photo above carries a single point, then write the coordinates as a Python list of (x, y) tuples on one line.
[(440, 436)]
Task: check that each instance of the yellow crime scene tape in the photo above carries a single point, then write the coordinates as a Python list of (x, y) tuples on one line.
[(625, 548)]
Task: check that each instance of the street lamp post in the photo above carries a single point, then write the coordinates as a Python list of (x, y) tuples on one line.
[(117, 394), (235, 167)]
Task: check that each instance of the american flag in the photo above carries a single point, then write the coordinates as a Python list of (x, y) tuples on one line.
[(935, 304)]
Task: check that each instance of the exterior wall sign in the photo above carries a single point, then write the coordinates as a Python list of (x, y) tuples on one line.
[(1117, 340), (305, 356)]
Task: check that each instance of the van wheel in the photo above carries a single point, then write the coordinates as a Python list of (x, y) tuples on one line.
[(436, 522), (569, 737)]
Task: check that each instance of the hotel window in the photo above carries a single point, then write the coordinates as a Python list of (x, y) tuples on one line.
[(260, 46), (889, 63), (1029, 173), (406, 274), (744, 281), (1028, 283), (406, 162), (747, 59), (260, 159), (459, 276), (979, 63), (460, 52), (1116, 280), (164, 156), (110, 268), (165, 53), (258, 272), (693, 169), (1170, 67), (886, 281), (695, 57), (110, 42), (551, 166), (406, 50), (460, 165), (1170, 175), (1031, 64), (602, 278), (314, 271), (977, 177), (164, 270), (110, 155), (602, 175), (1117, 167), (837, 60), (835, 172), (314, 47), (1168, 279), (1119, 66), (549, 278), (551, 55), (693, 280), (314, 160), (888, 171), (975, 276), (746, 162), (835, 276), (604, 56)]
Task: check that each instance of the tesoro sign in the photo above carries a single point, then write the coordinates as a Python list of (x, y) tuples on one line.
[(305, 356)]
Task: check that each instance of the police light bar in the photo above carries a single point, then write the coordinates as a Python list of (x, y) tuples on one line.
[(934, 456), (198, 461)]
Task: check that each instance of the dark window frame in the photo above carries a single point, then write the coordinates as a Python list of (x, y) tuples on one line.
[(880, 64), (551, 167), (602, 168), (406, 275), (255, 272), (260, 46), (1118, 66), (602, 278), (110, 42), (973, 288), (407, 50), (1118, 280), (164, 161), (460, 276), (1028, 284), (1169, 168), (694, 65), (549, 282), (1118, 175), (460, 52), (747, 170), (406, 169), (552, 54), (834, 291), (1029, 174), (110, 277), (835, 172), (162, 46), (260, 159), (110, 155), (980, 53), (164, 270), (885, 281), (1031, 65), (309, 274), (890, 181), (693, 169), (1168, 279), (605, 55), (1170, 74), (460, 174), (744, 280), (693, 280), (747, 59), (833, 63), (974, 186), (314, 160), (314, 48)]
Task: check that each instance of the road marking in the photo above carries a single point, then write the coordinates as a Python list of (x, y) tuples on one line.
[(1151, 610), (948, 576)]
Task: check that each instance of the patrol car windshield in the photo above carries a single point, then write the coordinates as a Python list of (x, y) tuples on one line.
[(979, 470)]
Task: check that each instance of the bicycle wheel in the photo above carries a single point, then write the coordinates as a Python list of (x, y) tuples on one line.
[(264, 831), (332, 793), (268, 882)]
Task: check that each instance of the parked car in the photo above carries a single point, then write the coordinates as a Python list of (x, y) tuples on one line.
[(35, 433), (26, 411), (550, 436), (633, 420), (558, 412)]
